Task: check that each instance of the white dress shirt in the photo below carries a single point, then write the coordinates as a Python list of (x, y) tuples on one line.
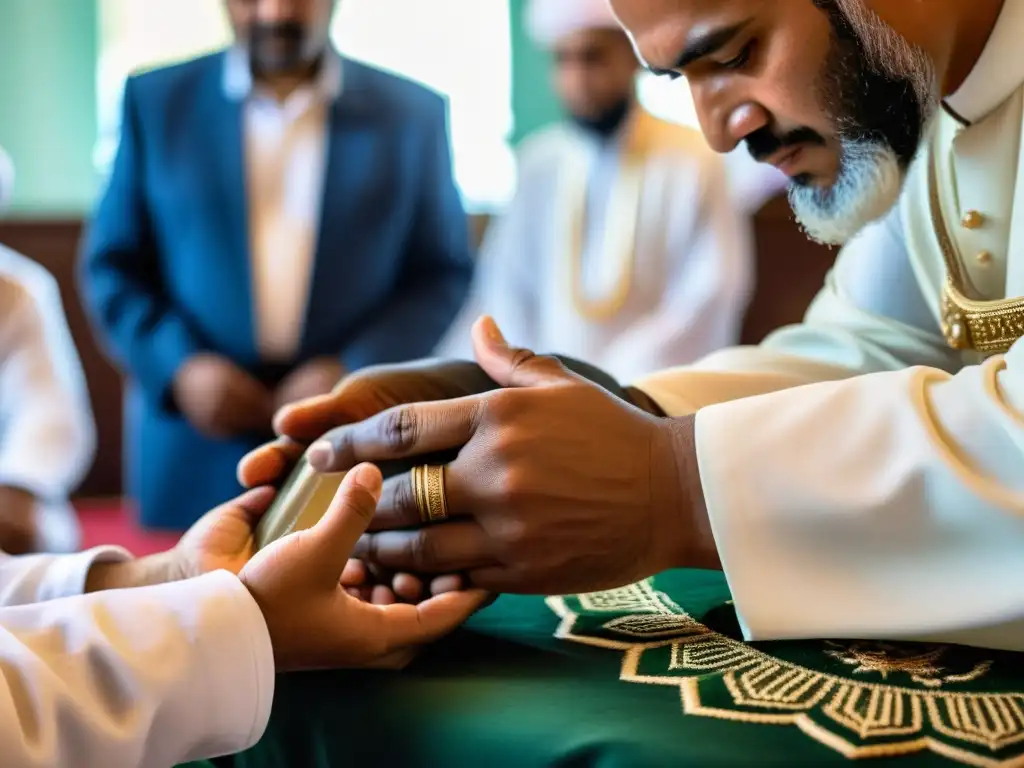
[(286, 158), (885, 499), (692, 268), (47, 438), (154, 676)]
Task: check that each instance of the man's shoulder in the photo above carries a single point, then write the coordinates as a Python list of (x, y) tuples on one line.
[(396, 93), (161, 80)]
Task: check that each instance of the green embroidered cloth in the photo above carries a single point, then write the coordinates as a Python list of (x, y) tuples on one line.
[(650, 675)]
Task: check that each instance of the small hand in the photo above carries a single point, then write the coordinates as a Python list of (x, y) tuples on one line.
[(220, 399), (312, 379), (312, 620)]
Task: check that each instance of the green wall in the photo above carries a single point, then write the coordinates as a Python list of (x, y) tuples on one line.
[(533, 102), (48, 52)]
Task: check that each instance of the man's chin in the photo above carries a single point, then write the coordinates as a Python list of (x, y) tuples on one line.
[(868, 187)]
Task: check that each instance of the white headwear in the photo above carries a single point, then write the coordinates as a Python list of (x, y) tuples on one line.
[(548, 21), (6, 179)]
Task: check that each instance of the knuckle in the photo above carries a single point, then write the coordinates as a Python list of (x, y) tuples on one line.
[(399, 427), (405, 500), (422, 550)]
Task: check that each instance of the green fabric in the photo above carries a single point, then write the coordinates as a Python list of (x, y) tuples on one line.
[(630, 679)]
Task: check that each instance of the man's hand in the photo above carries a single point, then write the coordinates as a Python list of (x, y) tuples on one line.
[(558, 486), (359, 396), (313, 379), (220, 399), (17, 521), (313, 621)]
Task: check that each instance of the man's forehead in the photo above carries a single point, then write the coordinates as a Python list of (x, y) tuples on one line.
[(661, 29)]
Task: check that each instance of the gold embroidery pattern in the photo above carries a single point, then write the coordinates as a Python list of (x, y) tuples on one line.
[(988, 327), (863, 715)]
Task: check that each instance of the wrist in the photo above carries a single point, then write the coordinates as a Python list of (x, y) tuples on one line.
[(143, 572), (679, 495)]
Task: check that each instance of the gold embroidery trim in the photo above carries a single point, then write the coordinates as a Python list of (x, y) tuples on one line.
[(623, 211), (967, 727), (988, 327)]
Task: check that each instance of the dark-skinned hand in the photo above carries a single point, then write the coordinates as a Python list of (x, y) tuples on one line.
[(557, 487)]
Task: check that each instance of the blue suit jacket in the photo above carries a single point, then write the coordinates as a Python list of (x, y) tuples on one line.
[(165, 269)]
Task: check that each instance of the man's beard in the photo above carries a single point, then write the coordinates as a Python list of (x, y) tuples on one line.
[(605, 123), (881, 94), (282, 48)]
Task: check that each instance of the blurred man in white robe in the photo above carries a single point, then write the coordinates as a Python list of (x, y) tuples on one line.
[(622, 245), (47, 437)]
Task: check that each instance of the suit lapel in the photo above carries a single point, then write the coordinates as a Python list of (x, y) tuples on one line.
[(350, 140), (225, 156)]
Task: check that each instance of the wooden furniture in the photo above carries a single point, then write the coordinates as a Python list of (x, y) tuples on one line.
[(790, 270)]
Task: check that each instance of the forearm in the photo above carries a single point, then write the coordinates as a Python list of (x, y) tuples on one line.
[(146, 571), (883, 507)]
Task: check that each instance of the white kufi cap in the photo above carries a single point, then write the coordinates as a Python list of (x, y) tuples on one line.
[(548, 21)]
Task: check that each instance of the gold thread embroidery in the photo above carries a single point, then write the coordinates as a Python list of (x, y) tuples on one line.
[(892, 720), (988, 327)]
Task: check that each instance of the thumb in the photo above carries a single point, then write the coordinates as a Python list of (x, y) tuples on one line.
[(333, 538), (508, 366)]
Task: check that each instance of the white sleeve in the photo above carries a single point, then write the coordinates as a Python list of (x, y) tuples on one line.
[(27, 579), (888, 505), (154, 676), (47, 437), (710, 274), (869, 317)]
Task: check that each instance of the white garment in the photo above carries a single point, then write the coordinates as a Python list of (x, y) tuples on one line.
[(47, 438), (691, 278), (286, 158), (154, 676), (885, 499)]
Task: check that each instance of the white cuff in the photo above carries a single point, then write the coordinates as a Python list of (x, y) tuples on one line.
[(38, 578), (226, 704)]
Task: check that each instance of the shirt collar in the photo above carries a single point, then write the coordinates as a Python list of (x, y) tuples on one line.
[(1000, 70), (238, 82)]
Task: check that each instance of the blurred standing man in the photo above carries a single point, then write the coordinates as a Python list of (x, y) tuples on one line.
[(277, 216), (622, 245), (47, 438)]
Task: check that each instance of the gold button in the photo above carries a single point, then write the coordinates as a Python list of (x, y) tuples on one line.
[(972, 220), (984, 258)]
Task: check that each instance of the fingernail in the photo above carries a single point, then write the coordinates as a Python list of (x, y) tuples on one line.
[(367, 476), (320, 455), (493, 332)]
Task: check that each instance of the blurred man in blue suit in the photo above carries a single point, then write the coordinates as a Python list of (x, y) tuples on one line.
[(276, 216)]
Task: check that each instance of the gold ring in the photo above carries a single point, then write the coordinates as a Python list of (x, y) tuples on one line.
[(429, 491)]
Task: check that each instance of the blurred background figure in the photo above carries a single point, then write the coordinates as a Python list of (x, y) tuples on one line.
[(622, 246), (276, 216), (46, 430)]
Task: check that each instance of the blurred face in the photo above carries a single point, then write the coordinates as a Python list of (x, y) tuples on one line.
[(594, 76), (284, 38), (833, 92)]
